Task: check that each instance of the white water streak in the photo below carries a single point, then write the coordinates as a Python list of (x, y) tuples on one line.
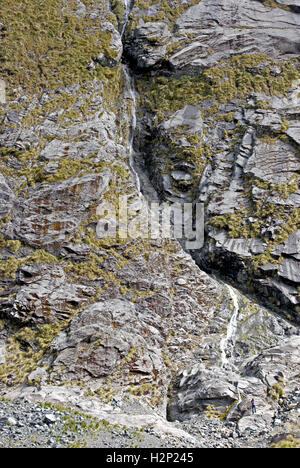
[(129, 87), (228, 342), (127, 10)]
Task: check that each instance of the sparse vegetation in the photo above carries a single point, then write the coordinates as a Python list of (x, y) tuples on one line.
[(288, 442)]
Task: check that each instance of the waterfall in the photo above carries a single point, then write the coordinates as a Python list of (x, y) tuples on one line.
[(228, 342), (129, 88), (127, 10)]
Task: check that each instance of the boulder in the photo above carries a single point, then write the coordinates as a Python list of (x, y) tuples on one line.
[(45, 295)]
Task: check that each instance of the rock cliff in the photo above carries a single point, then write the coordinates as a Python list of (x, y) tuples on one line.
[(187, 102), (220, 86)]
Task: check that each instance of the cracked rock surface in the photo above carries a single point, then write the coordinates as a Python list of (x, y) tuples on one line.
[(193, 102)]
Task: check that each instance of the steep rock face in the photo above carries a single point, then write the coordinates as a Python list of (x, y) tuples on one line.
[(220, 126), (66, 125), (136, 344), (270, 377), (244, 362), (200, 34), (87, 320)]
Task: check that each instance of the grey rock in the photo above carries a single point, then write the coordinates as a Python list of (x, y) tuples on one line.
[(11, 421), (117, 334), (290, 269), (6, 197), (71, 198), (253, 424), (46, 294), (148, 45), (2, 92), (234, 176), (257, 28), (149, 324), (2, 352), (189, 117), (274, 162), (115, 44), (197, 388), (50, 418), (294, 131), (285, 293), (288, 2), (181, 176)]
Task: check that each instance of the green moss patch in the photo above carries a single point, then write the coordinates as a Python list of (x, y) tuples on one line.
[(11, 264), (233, 78), (45, 44), (275, 4)]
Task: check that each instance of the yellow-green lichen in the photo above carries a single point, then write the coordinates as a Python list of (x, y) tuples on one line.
[(288, 442), (11, 264), (118, 9), (275, 4)]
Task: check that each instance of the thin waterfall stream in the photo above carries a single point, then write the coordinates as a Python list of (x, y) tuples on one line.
[(130, 90), (228, 342), (129, 87), (127, 10)]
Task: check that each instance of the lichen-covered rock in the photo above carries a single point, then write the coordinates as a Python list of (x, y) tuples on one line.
[(64, 131), (50, 216), (149, 43), (6, 197), (45, 295), (204, 34)]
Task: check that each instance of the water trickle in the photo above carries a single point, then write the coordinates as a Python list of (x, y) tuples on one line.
[(228, 342), (130, 90), (129, 87), (127, 10)]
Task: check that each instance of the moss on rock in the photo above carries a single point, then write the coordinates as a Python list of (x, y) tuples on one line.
[(229, 80), (47, 44)]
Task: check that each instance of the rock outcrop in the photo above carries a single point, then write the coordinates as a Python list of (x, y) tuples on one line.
[(220, 126), (137, 345), (206, 110)]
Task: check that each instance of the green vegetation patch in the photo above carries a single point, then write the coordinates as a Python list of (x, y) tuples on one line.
[(24, 349), (237, 224), (46, 44), (118, 9), (11, 264), (233, 78), (288, 442), (165, 9), (275, 4)]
